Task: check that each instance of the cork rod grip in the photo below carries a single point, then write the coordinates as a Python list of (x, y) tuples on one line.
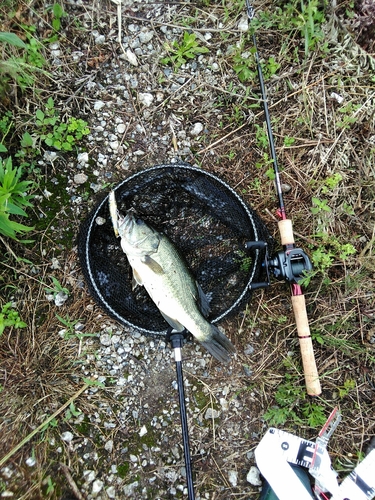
[(308, 359), (286, 232)]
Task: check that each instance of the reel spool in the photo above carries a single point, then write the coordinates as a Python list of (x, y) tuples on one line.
[(208, 223)]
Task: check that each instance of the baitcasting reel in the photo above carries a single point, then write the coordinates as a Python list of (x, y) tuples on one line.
[(287, 265)]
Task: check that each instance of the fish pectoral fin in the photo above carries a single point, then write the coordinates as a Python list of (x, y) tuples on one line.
[(152, 264), (137, 280), (173, 322), (203, 304)]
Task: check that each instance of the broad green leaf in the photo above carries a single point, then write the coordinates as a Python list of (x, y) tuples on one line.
[(39, 114), (16, 210), (58, 10), (27, 140), (12, 39)]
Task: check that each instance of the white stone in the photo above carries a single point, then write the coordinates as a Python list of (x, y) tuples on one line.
[(211, 413), (129, 489), (67, 436), (30, 461), (133, 458), (143, 431), (105, 339), (197, 128), (233, 477), (89, 475), (83, 158), (111, 492), (121, 128), (50, 156), (76, 55), (60, 299), (99, 40), (97, 486), (7, 472), (146, 98), (80, 178), (337, 97), (100, 221), (224, 404), (131, 57), (109, 446), (99, 105), (253, 476), (55, 263), (114, 145), (145, 36), (243, 25), (121, 381)]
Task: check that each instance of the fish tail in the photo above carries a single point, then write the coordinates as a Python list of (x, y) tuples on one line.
[(219, 345)]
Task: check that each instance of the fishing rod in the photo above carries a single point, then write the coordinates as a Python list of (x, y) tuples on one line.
[(290, 263)]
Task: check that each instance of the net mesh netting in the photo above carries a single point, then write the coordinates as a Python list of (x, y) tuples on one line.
[(207, 222)]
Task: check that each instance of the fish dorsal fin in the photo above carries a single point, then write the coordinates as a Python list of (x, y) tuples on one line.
[(202, 300), (152, 264)]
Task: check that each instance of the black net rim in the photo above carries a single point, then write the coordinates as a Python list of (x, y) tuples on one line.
[(85, 241)]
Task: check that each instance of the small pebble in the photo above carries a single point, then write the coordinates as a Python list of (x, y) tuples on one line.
[(100, 221), (30, 461), (243, 25), (131, 57), (99, 105), (105, 339), (121, 128), (143, 431), (109, 446), (89, 476), (111, 492), (97, 486), (145, 36), (67, 436), (233, 477), (211, 413), (114, 145), (83, 158), (146, 98), (253, 476), (197, 128), (285, 188), (60, 299), (80, 178)]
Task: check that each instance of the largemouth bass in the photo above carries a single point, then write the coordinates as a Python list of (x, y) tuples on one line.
[(157, 266)]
